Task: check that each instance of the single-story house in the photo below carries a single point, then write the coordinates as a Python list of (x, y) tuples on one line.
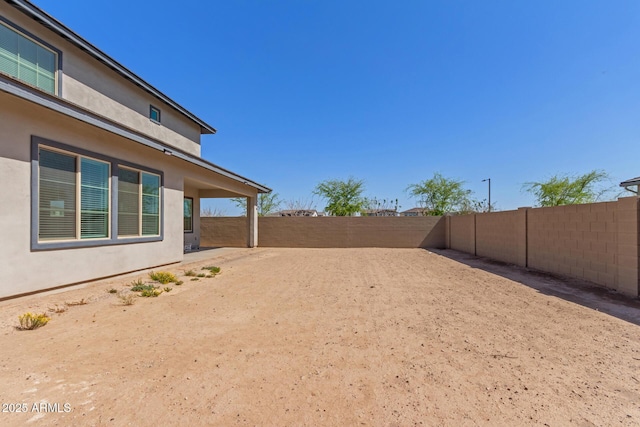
[(296, 212), (632, 185), (379, 212), (102, 173), (414, 212)]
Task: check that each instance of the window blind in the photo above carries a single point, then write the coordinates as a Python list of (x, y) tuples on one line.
[(188, 214), (128, 202), (57, 196), (94, 199), (150, 204), (26, 60)]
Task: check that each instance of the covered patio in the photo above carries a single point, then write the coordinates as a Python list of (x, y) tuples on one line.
[(211, 182)]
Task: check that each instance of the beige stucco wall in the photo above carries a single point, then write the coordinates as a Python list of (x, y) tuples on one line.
[(90, 84), (328, 232), (25, 270)]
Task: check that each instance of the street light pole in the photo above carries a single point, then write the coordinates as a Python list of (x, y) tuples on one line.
[(484, 180)]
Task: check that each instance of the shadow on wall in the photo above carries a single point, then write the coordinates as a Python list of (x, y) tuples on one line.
[(569, 289)]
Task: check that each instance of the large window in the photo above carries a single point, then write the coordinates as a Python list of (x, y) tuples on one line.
[(73, 196), (138, 203), (83, 199), (24, 59), (188, 215)]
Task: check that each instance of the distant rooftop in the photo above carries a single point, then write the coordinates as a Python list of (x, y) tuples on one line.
[(629, 182), (418, 210)]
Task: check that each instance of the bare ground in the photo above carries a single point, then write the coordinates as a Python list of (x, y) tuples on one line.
[(330, 337)]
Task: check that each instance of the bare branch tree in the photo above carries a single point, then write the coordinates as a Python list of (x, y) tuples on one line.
[(209, 212), (300, 204)]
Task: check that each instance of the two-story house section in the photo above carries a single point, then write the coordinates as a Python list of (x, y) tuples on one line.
[(100, 172)]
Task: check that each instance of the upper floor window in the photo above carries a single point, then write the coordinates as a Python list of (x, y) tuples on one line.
[(22, 58), (154, 114)]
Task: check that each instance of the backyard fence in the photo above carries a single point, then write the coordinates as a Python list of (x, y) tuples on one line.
[(327, 232), (597, 242)]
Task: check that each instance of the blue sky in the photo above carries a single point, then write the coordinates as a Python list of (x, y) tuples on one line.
[(390, 91)]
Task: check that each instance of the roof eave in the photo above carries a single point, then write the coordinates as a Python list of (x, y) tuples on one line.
[(630, 182), (69, 109), (66, 33)]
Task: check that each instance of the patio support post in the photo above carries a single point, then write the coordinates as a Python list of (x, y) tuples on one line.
[(252, 221)]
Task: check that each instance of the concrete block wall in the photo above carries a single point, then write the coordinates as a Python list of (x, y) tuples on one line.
[(502, 236), (598, 242), (328, 232), (576, 240), (462, 233), (224, 232), (627, 255)]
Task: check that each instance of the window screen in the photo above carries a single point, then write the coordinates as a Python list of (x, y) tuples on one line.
[(128, 202), (57, 196), (26, 60), (138, 203), (150, 204), (188, 214), (94, 199)]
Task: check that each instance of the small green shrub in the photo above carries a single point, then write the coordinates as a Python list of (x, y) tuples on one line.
[(212, 269), (190, 273), (30, 321), (194, 279), (163, 277), (179, 282), (137, 283), (201, 275), (167, 289), (142, 287), (112, 291), (150, 293)]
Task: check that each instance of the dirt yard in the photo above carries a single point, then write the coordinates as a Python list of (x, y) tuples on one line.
[(340, 337)]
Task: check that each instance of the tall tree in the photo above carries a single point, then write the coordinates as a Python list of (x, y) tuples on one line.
[(267, 203), (344, 198), (440, 195), (568, 190)]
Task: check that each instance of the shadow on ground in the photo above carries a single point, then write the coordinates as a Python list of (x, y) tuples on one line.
[(577, 291)]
